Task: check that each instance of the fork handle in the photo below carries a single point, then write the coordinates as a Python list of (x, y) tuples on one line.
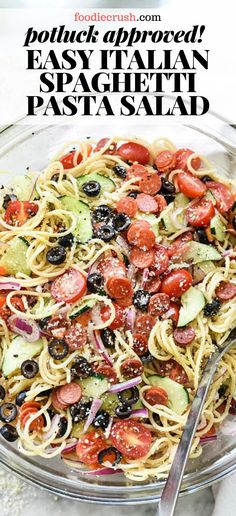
[(170, 492)]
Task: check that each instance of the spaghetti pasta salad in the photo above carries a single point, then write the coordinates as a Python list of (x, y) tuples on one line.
[(117, 281)]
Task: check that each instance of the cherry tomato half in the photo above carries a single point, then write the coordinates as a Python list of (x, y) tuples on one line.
[(111, 149), (190, 186), (131, 438), (69, 287), (224, 198), (176, 283), (89, 446), (18, 212), (68, 160), (200, 212), (181, 159), (132, 151)]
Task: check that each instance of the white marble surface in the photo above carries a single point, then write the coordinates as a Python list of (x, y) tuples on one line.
[(20, 499)]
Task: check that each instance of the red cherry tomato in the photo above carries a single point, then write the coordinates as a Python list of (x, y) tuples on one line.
[(89, 446), (120, 316), (68, 160), (2, 302), (224, 198), (18, 212), (17, 302), (165, 161), (3, 271), (131, 438), (111, 149), (156, 396), (181, 159), (190, 186), (176, 283), (131, 151), (200, 212), (69, 287), (108, 372)]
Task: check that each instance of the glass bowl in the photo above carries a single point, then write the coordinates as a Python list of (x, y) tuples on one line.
[(22, 146)]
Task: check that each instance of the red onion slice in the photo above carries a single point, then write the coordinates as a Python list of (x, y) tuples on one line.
[(96, 404), (143, 412), (54, 425), (119, 387), (27, 329), (130, 319), (100, 347), (103, 471), (9, 285), (208, 439), (123, 245), (95, 315), (94, 265), (144, 277), (108, 428)]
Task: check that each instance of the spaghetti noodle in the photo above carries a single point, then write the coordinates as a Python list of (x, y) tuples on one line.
[(98, 256)]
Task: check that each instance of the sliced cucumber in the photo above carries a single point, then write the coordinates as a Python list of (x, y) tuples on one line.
[(94, 386), (181, 200), (78, 429), (76, 312), (138, 405), (209, 195), (22, 187), (207, 266), (14, 260), (217, 228), (18, 351), (84, 230), (177, 395), (166, 221), (110, 403), (107, 185), (193, 301), (197, 252)]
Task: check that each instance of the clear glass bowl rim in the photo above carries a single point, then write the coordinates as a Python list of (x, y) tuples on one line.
[(115, 494)]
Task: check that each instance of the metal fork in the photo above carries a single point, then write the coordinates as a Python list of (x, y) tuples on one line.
[(170, 492)]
